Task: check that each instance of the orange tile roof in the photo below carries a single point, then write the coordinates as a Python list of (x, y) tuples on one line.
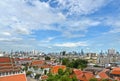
[(19, 77), (88, 75), (7, 64), (23, 59), (44, 77), (4, 59), (103, 75), (55, 69), (45, 66), (115, 71), (83, 75), (37, 62), (77, 72), (6, 67)]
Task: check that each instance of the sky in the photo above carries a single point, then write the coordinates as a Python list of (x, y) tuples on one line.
[(57, 25)]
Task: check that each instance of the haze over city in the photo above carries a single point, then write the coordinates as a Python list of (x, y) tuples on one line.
[(56, 25)]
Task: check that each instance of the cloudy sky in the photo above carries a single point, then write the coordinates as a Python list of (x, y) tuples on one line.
[(55, 25)]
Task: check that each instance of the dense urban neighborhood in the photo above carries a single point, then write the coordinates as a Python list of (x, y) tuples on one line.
[(59, 40), (63, 66)]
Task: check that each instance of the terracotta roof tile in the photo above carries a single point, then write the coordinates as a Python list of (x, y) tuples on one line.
[(83, 75), (77, 72), (6, 65), (44, 77), (115, 71), (19, 77), (45, 66), (102, 74), (37, 62), (88, 75), (23, 59), (54, 69), (4, 59)]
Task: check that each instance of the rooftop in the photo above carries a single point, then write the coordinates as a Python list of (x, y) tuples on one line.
[(14, 77)]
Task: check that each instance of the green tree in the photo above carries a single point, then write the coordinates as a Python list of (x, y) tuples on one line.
[(25, 68), (61, 76), (65, 61), (93, 79), (35, 67), (37, 76), (45, 72), (79, 63), (69, 70), (105, 80), (65, 78), (60, 71), (74, 78), (29, 73), (47, 58)]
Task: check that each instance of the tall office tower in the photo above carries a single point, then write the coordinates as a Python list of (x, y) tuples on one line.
[(82, 53), (111, 51)]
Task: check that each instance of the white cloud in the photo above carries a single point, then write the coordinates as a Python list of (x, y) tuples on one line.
[(82, 7), (82, 24), (77, 28), (5, 33), (10, 39), (23, 18), (71, 44), (18, 20), (69, 34), (114, 24), (47, 40)]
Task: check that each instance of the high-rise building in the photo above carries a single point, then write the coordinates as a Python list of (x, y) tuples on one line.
[(111, 51), (101, 53), (82, 53)]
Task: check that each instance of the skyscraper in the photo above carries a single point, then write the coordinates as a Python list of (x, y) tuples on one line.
[(111, 51), (82, 53)]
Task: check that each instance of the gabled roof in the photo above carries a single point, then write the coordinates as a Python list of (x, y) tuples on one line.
[(83, 75), (77, 72), (18, 77), (7, 64), (23, 59), (5, 59), (88, 75), (103, 74), (45, 66), (37, 62), (54, 69), (116, 71)]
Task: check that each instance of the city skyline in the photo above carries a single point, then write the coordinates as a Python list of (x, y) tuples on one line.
[(57, 25)]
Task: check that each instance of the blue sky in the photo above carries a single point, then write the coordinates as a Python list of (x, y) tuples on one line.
[(56, 25)]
